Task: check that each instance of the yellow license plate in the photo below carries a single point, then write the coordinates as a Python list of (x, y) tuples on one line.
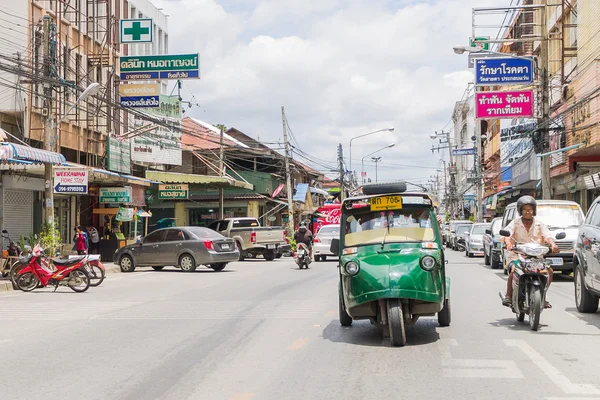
[(386, 203)]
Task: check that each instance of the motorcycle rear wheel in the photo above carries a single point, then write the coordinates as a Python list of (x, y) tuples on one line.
[(535, 308), (97, 275), (78, 280), (27, 281)]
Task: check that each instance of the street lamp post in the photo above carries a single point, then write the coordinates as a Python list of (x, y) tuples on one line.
[(363, 135), (375, 160), (362, 170)]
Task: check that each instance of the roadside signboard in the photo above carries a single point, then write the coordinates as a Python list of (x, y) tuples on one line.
[(176, 66), (136, 30), (503, 71), (464, 152), (502, 105), (71, 180), (485, 46), (119, 155), (140, 95), (173, 192), (115, 195), (473, 57)]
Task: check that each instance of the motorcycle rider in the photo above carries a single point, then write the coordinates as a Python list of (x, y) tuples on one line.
[(525, 229), (304, 235)]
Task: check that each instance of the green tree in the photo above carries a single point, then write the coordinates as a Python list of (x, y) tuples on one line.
[(221, 126)]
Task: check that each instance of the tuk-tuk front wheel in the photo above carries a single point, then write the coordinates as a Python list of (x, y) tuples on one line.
[(345, 319), (445, 316), (396, 323)]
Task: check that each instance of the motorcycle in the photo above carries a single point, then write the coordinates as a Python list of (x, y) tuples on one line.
[(94, 268), (302, 256), (461, 245), (69, 272), (530, 280)]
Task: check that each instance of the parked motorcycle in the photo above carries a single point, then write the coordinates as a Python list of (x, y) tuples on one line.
[(460, 245), (94, 268), (69, 272), (302, 256), (530, 280)]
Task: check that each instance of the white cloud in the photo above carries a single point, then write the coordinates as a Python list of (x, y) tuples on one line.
[(341, 68)]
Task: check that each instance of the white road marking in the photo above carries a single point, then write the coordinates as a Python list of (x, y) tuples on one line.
[(475, 368), (551, 372), (572, 398)]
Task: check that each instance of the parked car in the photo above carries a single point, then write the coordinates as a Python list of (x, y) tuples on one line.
[(459, 234), (451, 240), (474, 240), (185, 247), (492, 245), (559, 216), (322, 241), (586, 272), (251, 238)]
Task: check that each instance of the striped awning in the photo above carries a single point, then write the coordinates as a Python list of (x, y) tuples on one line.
[(17, 153)]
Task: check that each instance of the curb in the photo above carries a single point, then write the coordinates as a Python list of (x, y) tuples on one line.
[(6, 286)]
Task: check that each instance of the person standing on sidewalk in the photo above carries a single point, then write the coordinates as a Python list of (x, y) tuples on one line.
[(80, 241), (94, 239)]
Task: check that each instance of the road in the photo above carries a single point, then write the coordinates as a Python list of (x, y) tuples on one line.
[(266, 330)]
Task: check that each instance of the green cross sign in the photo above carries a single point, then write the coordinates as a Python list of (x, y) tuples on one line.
[(136, 30)]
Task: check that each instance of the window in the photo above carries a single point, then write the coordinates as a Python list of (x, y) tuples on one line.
[(590, 216), (496, 226), (245, 223), (174, 235), (204, 233), (595, 216), (154, 237), (198, 167)]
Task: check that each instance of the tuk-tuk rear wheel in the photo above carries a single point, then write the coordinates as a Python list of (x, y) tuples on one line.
[(396, 323), (345, 319)]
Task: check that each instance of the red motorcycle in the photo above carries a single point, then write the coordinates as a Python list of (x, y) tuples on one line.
[(69, 272)]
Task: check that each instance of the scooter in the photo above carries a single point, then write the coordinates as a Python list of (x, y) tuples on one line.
[(94, 268), (69, 272), (460, 245), (530, 281), (303, 256)]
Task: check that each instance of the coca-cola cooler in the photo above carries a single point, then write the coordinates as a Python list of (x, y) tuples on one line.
[(327, 215)]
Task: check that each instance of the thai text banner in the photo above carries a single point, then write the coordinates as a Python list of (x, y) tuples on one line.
[(499, 105), (503, 71)]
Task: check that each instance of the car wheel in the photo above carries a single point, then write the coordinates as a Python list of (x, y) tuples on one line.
[(317, 258), (126, 264), (324, 258), (218, 266), (495, 264), (278, 255), (584, 300), (239, 246), (486, 258), (157, 268), (269, 255), (187, 263)]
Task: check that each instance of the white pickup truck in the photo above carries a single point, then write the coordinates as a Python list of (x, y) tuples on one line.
[(252, 239)]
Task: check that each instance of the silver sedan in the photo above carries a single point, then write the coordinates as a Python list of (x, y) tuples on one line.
[(185, 247), (322, 241)]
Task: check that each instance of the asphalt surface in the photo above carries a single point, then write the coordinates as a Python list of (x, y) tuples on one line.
[(266, 330)]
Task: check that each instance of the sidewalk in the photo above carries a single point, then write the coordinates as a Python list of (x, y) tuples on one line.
[(6, 285)]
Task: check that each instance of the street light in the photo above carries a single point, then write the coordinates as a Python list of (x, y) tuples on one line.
[(366, 134), (480, 49), (375, 160), (91, 90), (363, 159)]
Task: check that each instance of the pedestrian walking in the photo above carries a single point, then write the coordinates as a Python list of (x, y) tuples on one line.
[(94, 239), (80, 241)]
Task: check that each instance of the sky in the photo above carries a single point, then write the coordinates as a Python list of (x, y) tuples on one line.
[(341, 68)]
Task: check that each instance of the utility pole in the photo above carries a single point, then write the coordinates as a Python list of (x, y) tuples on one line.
[(544, 121), (221, 171), (375, 160), (451, 192), (341, 167), (288, 175), (477, 167), (49, 138)]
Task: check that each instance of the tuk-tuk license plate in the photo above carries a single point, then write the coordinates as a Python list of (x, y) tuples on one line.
[(384, 203), (556, 261)]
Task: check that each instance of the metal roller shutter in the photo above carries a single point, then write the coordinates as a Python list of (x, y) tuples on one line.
[(18, 213)]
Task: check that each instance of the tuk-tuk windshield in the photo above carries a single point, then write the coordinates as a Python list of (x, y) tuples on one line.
[(410, 224)]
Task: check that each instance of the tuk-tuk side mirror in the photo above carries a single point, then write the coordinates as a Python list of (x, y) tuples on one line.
[(505, 233), (561, 235), (5, 231), (488, 231), (334, 247)]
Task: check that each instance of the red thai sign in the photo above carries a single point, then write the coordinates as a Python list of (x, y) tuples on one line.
[(499, 105)]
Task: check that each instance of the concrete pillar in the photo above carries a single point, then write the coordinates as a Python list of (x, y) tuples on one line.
[(180, 214)]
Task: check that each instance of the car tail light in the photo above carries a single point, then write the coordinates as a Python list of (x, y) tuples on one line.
[(317, 240), (285, 236), (253, 237), (209, 245)]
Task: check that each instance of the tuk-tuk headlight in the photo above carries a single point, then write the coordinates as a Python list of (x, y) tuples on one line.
[(428, 263), (352, 268)]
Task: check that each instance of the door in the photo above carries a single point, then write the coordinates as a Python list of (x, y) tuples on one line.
[(591, 239), (168, 251), (147, 251), (17, 212)]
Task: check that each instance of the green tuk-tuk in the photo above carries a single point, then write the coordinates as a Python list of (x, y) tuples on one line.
[(391, 264)]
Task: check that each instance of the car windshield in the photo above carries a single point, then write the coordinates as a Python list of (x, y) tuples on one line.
[(204, 233), (462, 229), (496, 227), (560, 215), (410, 224), (479, 229), (329, 229)]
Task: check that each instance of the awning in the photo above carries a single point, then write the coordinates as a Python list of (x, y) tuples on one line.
[(205, 180), (320, 192), (19, 153)]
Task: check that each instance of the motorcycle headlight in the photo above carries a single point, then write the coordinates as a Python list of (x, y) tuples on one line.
[(428, 263), (351, 268)]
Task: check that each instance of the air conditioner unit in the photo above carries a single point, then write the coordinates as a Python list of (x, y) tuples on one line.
[(565, 92)]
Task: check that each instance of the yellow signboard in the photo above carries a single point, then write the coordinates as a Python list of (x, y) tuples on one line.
[(139, 90), (386, 203)]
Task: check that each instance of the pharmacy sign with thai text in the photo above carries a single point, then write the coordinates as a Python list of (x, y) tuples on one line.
[(500, 105), (177, 66), (503, 71)]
